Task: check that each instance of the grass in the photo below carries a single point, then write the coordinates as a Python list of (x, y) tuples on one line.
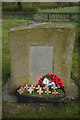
[(39, 110), (59, 10), (75, 66)]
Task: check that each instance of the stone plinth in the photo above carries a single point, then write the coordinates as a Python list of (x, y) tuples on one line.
[(39, 49)]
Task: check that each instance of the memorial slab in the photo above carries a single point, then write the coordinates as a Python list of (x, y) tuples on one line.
[(41, 60), (39, 49)]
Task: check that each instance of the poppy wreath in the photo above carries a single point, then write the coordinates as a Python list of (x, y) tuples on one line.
[(53, 78)]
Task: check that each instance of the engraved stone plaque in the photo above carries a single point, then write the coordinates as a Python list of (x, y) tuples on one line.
[(41, 59)]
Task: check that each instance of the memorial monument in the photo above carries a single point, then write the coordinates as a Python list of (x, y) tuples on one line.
[(39, 49)]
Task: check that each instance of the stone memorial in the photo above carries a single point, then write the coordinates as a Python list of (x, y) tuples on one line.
[(39, 49)]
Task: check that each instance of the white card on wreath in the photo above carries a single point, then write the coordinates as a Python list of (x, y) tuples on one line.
[(46, 81)]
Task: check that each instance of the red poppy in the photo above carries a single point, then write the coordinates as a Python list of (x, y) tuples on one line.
[(54, 78)]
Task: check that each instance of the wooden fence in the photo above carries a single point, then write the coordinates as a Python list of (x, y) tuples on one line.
[(45, 16)]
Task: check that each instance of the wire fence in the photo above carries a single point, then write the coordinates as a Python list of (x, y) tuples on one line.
[(44, 16)]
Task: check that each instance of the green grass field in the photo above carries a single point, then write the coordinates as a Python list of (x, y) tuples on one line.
[(59, 10), (66, 110), (40, 110)]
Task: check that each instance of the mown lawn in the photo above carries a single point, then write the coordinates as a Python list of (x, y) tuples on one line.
[(59, 10), (66, 110), (40, 110)]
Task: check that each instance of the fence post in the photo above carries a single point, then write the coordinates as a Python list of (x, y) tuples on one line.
[(70, 17), (48, 16)]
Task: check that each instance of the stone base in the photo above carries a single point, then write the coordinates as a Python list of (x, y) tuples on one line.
[(73, 91), (73, 94), (5, 94)]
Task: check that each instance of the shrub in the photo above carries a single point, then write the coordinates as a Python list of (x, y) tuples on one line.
[(49, 6), (17, 9), (30, 9), (10, 8)]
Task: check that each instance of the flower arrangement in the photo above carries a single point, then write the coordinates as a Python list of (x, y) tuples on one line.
[(48, 86), (52, 78)]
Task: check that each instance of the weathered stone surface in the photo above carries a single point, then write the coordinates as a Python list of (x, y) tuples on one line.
[(6, 96), (44, 34)]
